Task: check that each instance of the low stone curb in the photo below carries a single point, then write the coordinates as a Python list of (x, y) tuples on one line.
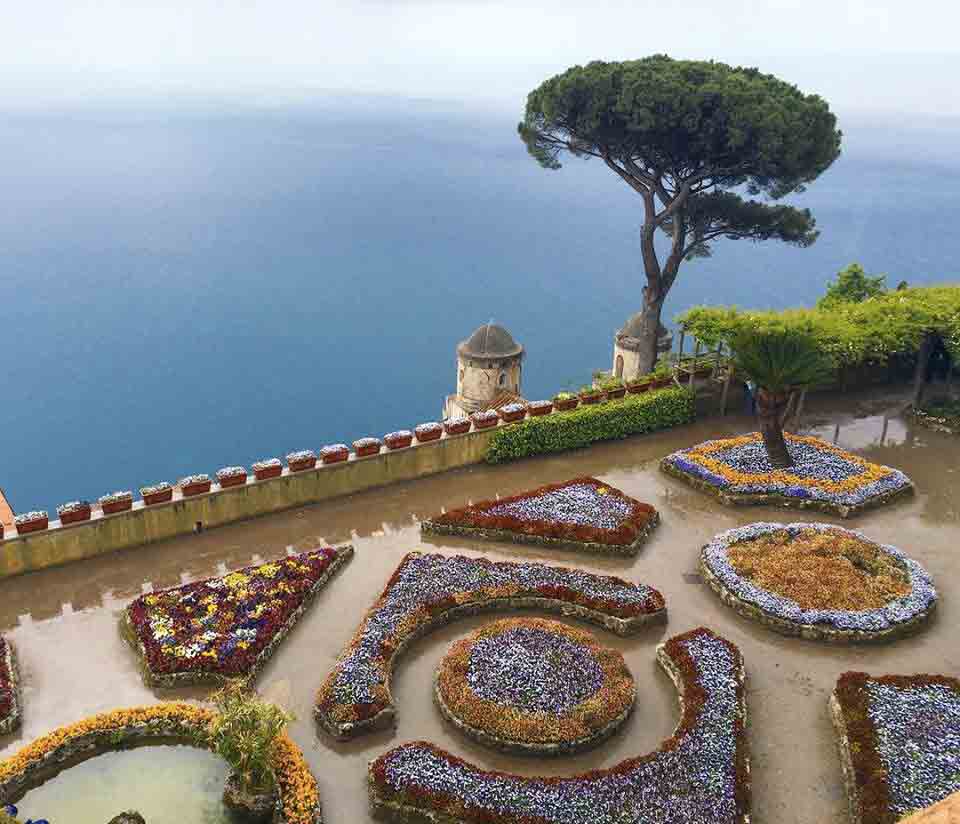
[(182, 679), (846, 760), (11, 721)]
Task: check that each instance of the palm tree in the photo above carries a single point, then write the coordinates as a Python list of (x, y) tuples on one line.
[(779, 362)]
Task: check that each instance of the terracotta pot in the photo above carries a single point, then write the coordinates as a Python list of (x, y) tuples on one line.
[(588, 399), (159, 497), (457, 428), (77, 515), (268, 472), (38, 525), (429, 435), (367, 451), (637, 388), (510, 417), (112, 507), (195, 489), (659, 383), (484, 423), (538, 411), (616, 393), (565, 404), (335, 457), (302, 464), (232, 480)]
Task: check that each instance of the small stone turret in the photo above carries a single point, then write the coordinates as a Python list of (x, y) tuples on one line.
[(489, 366), (626, 347)]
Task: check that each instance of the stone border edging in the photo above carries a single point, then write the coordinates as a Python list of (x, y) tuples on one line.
[(180, 679), (11, 721), (846, 760)]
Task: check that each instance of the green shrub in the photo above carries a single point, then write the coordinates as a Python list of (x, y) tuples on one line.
[(588, 424)]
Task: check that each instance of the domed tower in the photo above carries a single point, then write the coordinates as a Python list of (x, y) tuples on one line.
[(488, 371), (626, 347)]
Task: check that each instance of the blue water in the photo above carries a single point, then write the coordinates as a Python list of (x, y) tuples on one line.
[(187, 288)]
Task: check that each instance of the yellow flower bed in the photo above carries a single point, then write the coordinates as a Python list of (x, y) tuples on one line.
[(299, 795)]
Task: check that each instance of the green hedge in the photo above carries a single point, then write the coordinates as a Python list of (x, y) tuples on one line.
[(585, 425)]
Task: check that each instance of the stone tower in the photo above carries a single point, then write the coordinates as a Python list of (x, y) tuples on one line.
[(626, 347), (488, 372)]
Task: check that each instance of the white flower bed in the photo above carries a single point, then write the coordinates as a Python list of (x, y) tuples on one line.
[(163, 486), (193, 479), (302, 455), (513, 408), (425, 428), (72, 506), (334, 449), (361, 443), (398, 435), (231, 472), (539, 404), (488, 415), (115, 497), (267, 463), (27, 517)]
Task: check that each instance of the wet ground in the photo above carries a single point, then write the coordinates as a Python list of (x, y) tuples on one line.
[(64, 621)]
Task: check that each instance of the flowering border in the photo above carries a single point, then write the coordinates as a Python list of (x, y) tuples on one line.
[(784, 615), (299, 798), (618, 605), (10, 706), (509, 729), (866, 778), (875, 486), (709, 675), (174, 679), (626, 540)]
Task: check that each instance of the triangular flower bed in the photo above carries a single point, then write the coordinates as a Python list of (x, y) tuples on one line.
[(225, 627), (899, 739), (582, 513), (9, 688), (427, 591), (700, 774)]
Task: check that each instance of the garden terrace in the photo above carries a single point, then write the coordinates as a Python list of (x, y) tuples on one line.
[(899, 740), (533, 686), (818, 581), (225, 627), (701, 773), (427, 591), (9, 688), (824, 477), (582, 513)]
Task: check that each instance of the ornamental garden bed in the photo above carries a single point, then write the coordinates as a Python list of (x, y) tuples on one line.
[(940, 414), (267, 468), (824, 477), (534, 686), (582, 513), (700, 774), (115, 502), (899, 742), (9, 688), (225, 627), (819, 582), (298, 799), (428, 591)]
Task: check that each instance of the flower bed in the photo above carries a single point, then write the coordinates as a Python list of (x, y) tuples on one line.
[(512, 412), (299, 461), (456, 426), (398, 440), (484, 420), (298, 801), (194, 485), (582, 513), (530, 685), (427, 591), (35, 521), (73, 512), (940, 414), (225, 627), (700, 774), (334, 453), (367, 446), (538, 409), (9, 688), (115, 502), (428, 431), (156, 493), (267, 468), (899, 741), (824, 476), (231, 476), (818, 581)]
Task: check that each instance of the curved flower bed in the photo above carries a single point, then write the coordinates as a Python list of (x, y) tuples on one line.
[(899, 741), (897, 617), (225, 627), (823, 477), (298, 802), (9, 688), (582, 513), (531, 685), (700, 774), (427, 591)]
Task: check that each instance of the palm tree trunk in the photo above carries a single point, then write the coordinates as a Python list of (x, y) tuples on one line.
[(770, 409)]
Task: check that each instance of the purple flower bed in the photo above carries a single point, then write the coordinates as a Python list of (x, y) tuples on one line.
[(580, 504), (921, 599)]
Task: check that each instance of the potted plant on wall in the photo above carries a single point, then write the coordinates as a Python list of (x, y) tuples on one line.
[(115, 502), (428, 431), (156, 493), (231, 476), (35, 521), (662, 374), (614, 387), (485, 419), (512, 412), (565, 400), (364, 447), (398, 440), (73, 512), (539, 408), (639, 384), (267, 468), (334, 453), (304, 459), (590, 395), (194, 485), (457, 425)]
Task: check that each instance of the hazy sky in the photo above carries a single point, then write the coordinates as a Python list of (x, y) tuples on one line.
[(863, 54)]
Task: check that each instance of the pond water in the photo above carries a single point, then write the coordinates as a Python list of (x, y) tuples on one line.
[(167, 784)]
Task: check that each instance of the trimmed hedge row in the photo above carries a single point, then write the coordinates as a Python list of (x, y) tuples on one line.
[(580, 427)]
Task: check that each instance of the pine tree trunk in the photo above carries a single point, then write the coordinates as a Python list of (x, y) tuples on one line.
[(770, 409), (650, 315)]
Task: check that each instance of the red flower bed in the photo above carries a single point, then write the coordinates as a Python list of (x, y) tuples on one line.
[(9, 710), (222, 627)]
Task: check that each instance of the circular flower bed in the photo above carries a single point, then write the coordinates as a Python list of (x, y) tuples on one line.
[(818, 581), (825, 477), (531, 685)]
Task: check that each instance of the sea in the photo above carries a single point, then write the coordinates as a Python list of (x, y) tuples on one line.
[(185, 286)]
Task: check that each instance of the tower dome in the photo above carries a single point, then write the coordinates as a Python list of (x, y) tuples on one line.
[(490, 341), (489, 365)]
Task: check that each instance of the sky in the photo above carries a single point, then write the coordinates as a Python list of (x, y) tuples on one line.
[(869, 55)]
